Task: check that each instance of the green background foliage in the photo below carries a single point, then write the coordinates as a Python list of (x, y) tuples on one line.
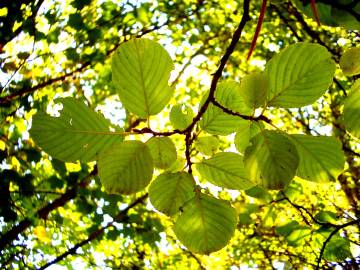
[(136, 135)]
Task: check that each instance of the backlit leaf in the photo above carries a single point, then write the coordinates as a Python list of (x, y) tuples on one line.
[(254, 88), (126, 167), (349, 61), (271, 160), (163, 151), (321, 157), (141, 70), (352, 110), (246, 131), (299, 75), (181, 118), (169, 191), (207, 145), (206, 224), (225, 170), (229, 94), (78, 134)]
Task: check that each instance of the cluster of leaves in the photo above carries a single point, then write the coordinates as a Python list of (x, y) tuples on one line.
[(267, 158), (200, 151)]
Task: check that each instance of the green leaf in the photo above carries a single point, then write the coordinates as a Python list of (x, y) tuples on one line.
[(76, 21), (141, 70), (228, 94), (352, 110), (181, 116), (169, 191), (299, 75), (286, 229), (225, 170), (246, 131), (271, 160), (206, 224), (126, 167), (78, 134), (163, 151), (321, 157), (207, 145), (253, 89), (258, 193), (337, 249), (326, 216), (216, 122), (349, 61), (296, 237)]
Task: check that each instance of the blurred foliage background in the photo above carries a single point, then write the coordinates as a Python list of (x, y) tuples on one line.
[(56, 215)]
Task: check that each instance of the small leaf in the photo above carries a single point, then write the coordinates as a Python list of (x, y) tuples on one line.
[(225, 170), (321, 157), (181, 118), (206, 224), (126, 167), (78, 134), (258, 193), (169, 191), (296, 237), (271, 160), (141, 70), (299, 75), (163, 151), (216, 122), (286, 229), (326, 216), (207, 145), (228, 94), (254, 88), (246, 131), (349, 62), (352, 110)]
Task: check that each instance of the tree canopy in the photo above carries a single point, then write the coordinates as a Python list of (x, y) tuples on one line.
[(194, 134)]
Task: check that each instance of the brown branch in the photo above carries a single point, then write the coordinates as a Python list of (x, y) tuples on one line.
[(121, 216)]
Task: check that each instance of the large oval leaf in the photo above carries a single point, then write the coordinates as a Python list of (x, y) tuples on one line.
[(271, 160), (206, 224), (141, 70), (169, 191), (78, 134), (321, 157), (352, 110), (163, 151), (126, 167), (299, 75), (225, 170)]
